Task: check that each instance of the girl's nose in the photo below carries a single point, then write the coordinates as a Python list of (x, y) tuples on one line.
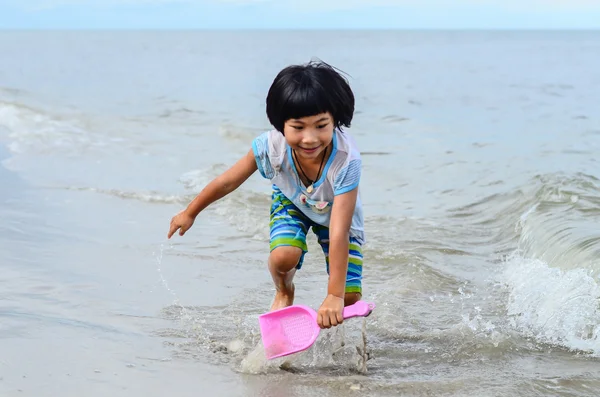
[(310, 137)]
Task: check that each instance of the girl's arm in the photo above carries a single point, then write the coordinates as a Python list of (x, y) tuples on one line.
[(330, 312), (218, 188), (224, 184), (339, 230)]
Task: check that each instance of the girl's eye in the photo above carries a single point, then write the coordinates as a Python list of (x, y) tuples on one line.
[(322, 126), (297, 127)]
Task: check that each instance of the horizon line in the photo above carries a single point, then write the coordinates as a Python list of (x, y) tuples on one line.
[(538, 29)]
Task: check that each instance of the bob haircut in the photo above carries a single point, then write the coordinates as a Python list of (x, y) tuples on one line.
[(307, 90)]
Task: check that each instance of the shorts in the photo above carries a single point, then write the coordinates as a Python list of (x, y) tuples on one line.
[(288, 227)]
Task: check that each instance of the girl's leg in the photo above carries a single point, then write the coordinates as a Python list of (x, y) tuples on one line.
[(288, 228), (282, 265), (351, 298)]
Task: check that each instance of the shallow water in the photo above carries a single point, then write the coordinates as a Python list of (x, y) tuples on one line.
[(480, 188)]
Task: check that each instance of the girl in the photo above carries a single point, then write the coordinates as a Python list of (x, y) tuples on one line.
[(315, 169)]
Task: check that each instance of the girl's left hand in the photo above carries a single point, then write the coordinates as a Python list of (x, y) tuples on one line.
[(330, 313)]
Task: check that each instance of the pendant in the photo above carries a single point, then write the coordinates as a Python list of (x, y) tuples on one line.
[(310, 188)]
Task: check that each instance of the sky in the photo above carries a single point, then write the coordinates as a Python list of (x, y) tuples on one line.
[(300, 14)]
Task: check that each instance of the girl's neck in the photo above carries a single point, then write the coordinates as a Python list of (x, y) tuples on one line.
[(312, 170)]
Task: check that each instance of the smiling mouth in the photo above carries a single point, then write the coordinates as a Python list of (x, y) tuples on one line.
[(311, 150)]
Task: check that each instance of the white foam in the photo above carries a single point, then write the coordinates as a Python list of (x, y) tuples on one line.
[(32, 131), (553, 305), (196, 180), (147, 197)]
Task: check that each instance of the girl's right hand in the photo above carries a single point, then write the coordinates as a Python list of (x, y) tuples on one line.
[(181, 221)]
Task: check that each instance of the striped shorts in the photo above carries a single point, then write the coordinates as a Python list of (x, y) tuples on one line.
[(288, 227)]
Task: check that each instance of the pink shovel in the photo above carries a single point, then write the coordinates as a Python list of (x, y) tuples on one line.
[(294, 328)]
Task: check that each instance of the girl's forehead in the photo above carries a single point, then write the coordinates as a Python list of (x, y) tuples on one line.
[(317, 118)]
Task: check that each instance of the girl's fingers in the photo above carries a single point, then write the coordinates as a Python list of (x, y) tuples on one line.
[(172, 230)]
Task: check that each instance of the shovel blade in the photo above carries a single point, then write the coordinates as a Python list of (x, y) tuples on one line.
[(289, 330)]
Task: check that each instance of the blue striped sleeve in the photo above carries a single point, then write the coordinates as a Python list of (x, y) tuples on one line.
[(348, 178), (260, 147)]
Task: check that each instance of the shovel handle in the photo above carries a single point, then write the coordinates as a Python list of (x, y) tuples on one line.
[(359, 309)]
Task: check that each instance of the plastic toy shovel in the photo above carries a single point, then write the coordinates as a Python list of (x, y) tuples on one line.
[(294, 328)]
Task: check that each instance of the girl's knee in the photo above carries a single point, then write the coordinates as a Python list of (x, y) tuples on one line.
[(285, 258)]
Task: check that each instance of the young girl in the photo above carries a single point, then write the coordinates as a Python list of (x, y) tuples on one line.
[(315, 170)]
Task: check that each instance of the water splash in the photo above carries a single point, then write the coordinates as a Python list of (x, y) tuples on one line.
[(552, 279), (553, 305), (192, 323)]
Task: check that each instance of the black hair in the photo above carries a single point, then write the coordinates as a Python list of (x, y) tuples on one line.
[(309, 89)]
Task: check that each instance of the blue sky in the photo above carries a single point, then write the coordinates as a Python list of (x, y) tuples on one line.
[(303, 14)]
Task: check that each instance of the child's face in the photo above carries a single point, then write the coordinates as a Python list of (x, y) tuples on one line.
[(310, 135)]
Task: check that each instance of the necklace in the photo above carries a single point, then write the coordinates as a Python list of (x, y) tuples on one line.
[(309, 189)]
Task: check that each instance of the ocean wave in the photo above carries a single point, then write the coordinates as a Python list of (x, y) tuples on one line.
[(11, 92), (147, 197), (34, 130), (560, 227), (543, 247), (196, 180), (552, 278), (553, 305), (239, 133)]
